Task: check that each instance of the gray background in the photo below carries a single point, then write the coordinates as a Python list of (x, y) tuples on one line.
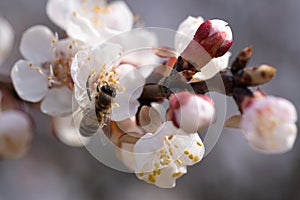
[(232, 170)]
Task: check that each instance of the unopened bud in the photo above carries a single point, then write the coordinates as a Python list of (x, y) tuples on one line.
[(191, 112), (212, 39), (253, 76)]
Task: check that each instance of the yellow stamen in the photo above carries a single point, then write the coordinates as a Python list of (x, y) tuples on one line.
[(152, 178), (38, 68), (187, 152), (30, 64), (176, 174), (199, 143), (191, 156), (196, 158), (179, 161)]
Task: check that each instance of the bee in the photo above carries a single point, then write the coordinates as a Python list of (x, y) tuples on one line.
[(96, 116)]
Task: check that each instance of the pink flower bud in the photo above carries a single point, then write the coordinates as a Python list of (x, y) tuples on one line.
[(191, 112), (212, 39), (215, 36), (269, 124)]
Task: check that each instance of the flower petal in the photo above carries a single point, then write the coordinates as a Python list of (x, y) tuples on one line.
[(138, 45), (133, 82), (119, 17), (59, 11), (36, 44), (87, 61), (28, 82), (66, 131), (186, 32), (6, 39), (82, 29), (58, 102), (215, 66)]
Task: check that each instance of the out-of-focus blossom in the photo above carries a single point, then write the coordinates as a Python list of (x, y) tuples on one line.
[(199, 42), (15, 134), (66, 131), (185, 34), (162, 157), (191, 112), (102, 65), (269, 124), (45, 72), (6, 39), (91, 22)]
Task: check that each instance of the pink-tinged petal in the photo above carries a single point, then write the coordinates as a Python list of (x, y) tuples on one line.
[(66, 131), (186, 32), (58, 102), (269, 124), (28, 82), (36, 44), (6, 39), (15, 134), (186, 106)]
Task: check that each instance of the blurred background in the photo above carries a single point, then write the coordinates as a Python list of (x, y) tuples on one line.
[(54, 171)]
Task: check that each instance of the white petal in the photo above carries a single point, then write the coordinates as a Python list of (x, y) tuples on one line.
[(14, 140), (192, 143), (36, 44), (138, 44), (6, 39), (145, 152), (133, 82), (28, 82), (215, 66), (186, 31), (67, 132), (119, 17), (58, 102), (82, 29), (87, 61), (80, 69), (59, 11)]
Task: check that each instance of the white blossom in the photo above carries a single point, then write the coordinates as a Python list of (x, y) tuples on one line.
[(269, 124), (44, 74), (91, 22), (15, 134), (162, 157), (102, 65)]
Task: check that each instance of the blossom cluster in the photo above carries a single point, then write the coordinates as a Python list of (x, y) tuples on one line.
[(107, 77)]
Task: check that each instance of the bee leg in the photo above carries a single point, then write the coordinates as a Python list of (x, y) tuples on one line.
[(88, 91)]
